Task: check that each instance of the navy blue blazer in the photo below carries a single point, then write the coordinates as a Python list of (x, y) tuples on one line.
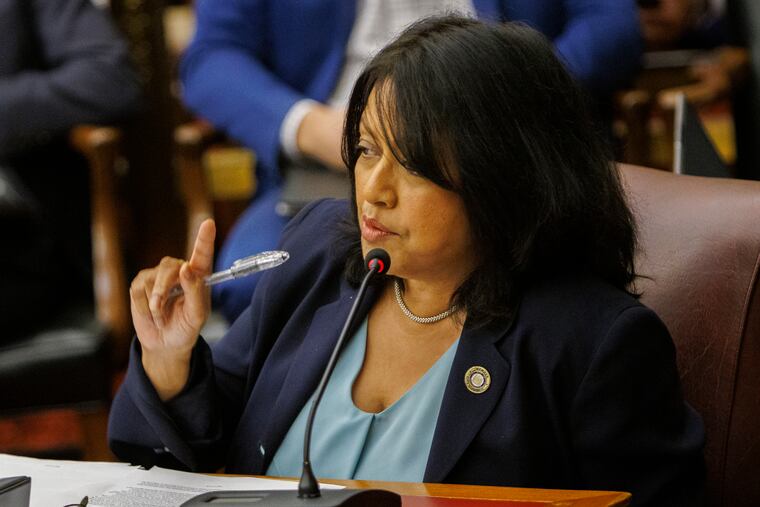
[(584, 388)]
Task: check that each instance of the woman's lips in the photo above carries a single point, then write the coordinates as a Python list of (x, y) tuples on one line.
[(372, 230)]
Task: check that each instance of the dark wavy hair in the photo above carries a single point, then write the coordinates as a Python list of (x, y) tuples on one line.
[(488, 111)]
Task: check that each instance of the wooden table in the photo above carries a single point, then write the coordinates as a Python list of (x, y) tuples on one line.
[(454, 495)]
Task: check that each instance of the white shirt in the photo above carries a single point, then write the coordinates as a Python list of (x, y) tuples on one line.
[(377, 23)]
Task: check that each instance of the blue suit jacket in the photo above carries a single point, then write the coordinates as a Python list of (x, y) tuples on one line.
[(62, 62), (251, 60), (584, 393)]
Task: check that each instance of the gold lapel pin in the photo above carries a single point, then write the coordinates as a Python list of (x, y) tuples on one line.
[(477, 379)]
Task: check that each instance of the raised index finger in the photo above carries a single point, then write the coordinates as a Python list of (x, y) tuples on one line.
[(202, 258)]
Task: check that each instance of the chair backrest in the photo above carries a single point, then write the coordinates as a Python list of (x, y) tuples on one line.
[(699, 248)]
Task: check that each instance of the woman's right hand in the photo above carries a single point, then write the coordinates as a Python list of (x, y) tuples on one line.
[(168, 327)]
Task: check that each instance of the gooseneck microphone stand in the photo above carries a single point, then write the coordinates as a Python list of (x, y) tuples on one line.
[(378, 262), (309, 494)]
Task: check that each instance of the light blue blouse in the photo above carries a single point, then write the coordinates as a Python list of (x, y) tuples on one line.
[(348, 443)]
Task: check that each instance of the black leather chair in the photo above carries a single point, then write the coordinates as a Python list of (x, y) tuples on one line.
[(71, 361)]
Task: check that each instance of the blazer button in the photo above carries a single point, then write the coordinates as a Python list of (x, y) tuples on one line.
[(477, 380)]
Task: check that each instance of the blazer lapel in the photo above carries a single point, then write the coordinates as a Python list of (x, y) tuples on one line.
[(309, 363), (462, 412)]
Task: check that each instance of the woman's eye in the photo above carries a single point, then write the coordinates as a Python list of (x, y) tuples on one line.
[(366, 151)]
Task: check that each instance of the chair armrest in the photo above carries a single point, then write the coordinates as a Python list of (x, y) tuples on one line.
[(705, 78), (100, 146)]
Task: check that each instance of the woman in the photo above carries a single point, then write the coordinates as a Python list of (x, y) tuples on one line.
[(503, 349)]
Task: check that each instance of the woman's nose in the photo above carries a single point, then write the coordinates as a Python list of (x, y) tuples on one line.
[(379, 187)]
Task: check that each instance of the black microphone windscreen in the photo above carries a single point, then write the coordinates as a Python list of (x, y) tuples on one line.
[(380, 258)]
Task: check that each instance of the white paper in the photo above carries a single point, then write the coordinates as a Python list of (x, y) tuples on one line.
[(57, 482)]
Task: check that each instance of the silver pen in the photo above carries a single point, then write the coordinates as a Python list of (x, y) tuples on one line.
[(241, 268)]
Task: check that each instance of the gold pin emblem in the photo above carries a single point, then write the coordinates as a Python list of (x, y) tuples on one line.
[(477, 379)]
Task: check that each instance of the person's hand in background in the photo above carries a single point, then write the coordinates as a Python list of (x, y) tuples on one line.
[(716, 78), (319, 135)]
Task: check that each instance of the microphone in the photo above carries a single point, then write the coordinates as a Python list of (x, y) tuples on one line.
[(378, 259), (377, 262)]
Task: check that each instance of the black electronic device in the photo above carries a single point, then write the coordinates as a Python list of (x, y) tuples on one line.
[(378, 262), (307, 182), (15, 491), (693, 151), (329, 498)]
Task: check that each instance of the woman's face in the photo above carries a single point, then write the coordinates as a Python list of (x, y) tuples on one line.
[(421, 225), (663, 25)]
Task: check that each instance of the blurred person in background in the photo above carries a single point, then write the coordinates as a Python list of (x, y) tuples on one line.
[(276, 76), (62, 63), (669, 24), (701, 25)]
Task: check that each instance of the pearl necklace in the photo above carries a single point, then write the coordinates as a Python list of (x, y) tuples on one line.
[(420, 320)]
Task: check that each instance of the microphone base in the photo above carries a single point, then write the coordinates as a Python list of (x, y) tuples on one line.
[(289, 498)]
